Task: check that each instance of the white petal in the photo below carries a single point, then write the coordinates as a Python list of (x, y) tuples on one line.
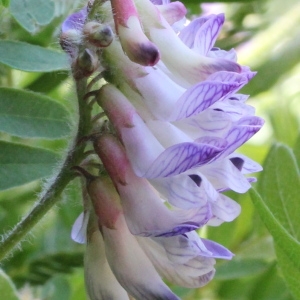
[(224, 209), (224, 175), (101, 284), (194, 273), (79, 228), (132, 267)]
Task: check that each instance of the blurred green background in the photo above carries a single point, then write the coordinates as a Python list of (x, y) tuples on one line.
[(266, 35)]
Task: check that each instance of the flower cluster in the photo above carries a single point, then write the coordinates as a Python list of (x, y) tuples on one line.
[(171, 98)]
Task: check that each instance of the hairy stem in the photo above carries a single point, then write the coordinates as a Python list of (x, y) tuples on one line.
[(51, 195)]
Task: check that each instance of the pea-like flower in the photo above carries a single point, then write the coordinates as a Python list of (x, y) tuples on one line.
[(177, 118)]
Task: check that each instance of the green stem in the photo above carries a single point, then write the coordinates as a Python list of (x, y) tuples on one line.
[(51, 196)]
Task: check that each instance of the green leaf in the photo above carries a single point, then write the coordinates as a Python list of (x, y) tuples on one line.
[(279, 233), (8, 291), (57, 288), (290, 272), (296, 150), (31, 58), (31, 14), (236, 269), (269, 286), (28, 114), (20, 164), (5, 2), (279, 187), (47, 82)]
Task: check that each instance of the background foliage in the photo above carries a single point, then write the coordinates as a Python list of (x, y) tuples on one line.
[(37, 115)]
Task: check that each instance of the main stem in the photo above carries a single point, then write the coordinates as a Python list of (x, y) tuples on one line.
[(51, 196)]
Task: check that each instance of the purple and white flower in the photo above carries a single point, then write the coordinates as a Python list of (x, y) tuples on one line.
[(173, 101)]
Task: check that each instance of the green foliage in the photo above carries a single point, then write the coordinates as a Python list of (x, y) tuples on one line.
[(8, 291), (21, 164), (31, 58), (32, 13), (27, 114), (279, 209)]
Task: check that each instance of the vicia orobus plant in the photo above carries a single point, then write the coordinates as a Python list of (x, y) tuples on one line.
[(160, 118)]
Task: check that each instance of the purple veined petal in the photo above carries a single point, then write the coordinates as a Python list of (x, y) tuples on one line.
[(79, 228), (144, 210), (194, 273), (200, 97), (180, 158), (224, 209), (130, 265), (141, 146), (219, 53), (223, 175), (188, 34), (188, 66), (207, 35), (101, 284), (159, 92), (240, 133), (160, 2), (167, 134), (230, 77), (213, 123), (217, 250), (75, 21), (249, 166), (182, 248), (147, 215), (187, 190)]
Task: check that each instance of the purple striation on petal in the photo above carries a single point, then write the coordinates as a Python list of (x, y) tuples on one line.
[(188, 34), (241, 133), (181, 157), (213, 141), (200, 97), (75, 21), (183, 228), (160, 2), (217, 250), (231, 77), (208, 33)]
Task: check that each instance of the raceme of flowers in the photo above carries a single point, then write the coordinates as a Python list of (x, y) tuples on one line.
[(172, 100)]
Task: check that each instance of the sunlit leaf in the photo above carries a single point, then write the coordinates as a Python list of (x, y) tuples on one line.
[(279, 187), (31, 58), (20, 164), (279, 209), (8, 291), (32, 13), (28, 114)]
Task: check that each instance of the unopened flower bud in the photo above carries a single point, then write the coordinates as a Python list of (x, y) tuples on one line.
[(86, 63), (105, 200), (100, 35), (133, 40)]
